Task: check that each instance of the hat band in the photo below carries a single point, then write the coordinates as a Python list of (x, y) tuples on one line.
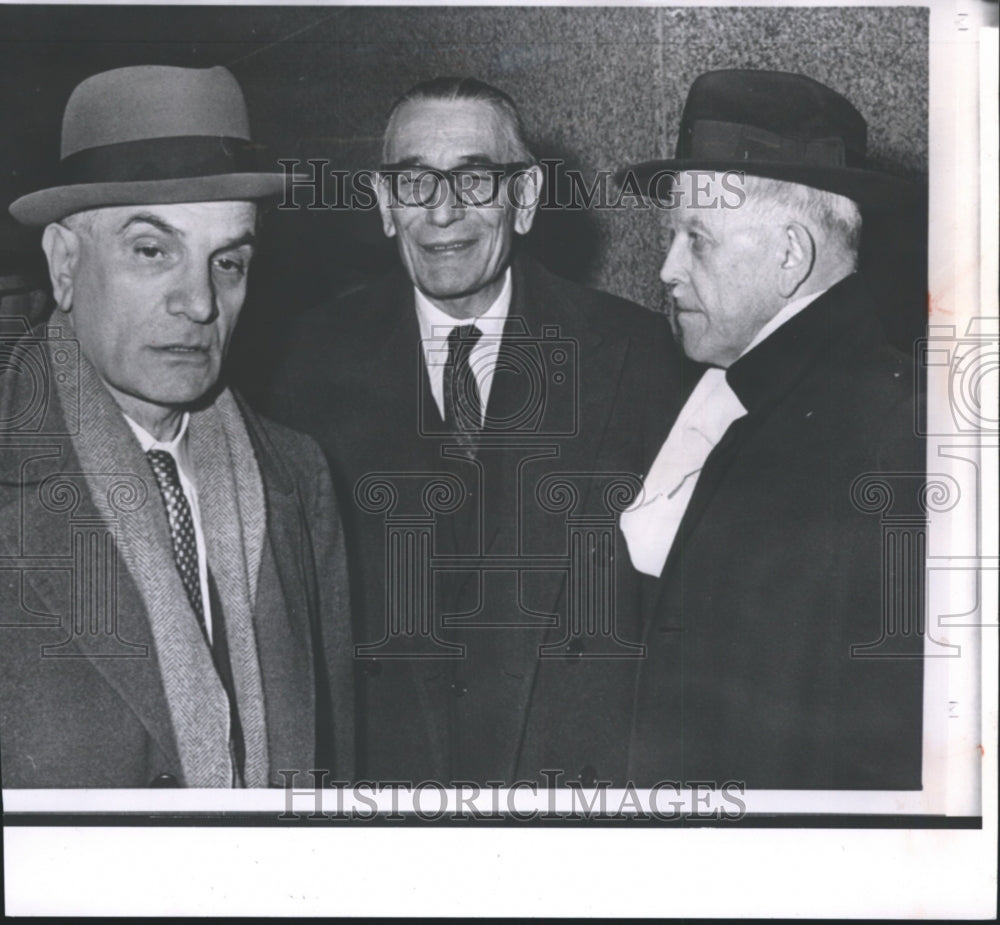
[(734, 141), (159, 159)]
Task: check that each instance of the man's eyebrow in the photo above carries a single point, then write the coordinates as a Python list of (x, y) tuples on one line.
[(247, 237), (147, 218)]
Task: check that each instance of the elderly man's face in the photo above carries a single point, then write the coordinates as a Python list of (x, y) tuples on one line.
[(153, 294), (455, 254), (722, 268)]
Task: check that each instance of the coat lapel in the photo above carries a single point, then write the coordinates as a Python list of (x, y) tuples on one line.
[(127, 659), (541, 323), (136, 679), (411, 435), (288, 590), (130, 669), (413, 420)]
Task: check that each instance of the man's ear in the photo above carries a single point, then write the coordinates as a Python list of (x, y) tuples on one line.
[(525, 192), (62, 251), (798, 257), (383, 188)]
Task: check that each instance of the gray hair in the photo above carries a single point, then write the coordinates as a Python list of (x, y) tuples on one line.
[(80, 222), (836, 217), (466, 88)]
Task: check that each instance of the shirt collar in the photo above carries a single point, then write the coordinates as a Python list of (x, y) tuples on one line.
[(436, 324), (148, 442)]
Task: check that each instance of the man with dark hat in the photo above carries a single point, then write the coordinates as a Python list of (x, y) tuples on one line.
[(172, 585), (784, 630)]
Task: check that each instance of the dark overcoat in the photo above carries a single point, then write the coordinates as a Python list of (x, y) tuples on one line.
[(784, 636), (582, 398)]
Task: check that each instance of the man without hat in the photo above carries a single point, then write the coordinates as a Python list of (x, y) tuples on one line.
[(784, 643), (477, 659), (173, 583)]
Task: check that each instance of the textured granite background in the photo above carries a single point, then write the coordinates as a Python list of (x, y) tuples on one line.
[(598, 87)]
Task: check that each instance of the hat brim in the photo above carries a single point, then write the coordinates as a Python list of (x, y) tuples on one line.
[(51, 205), (868, 188)]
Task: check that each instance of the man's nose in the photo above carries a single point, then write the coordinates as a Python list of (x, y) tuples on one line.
[(194, 295), (671, 269), (445, 208)]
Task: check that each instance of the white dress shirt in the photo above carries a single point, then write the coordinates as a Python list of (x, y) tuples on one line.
[(650, 524), (178, 448), (436, 325)]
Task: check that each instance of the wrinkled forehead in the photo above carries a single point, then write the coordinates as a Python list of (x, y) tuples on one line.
[(211, 221), (447, 133)]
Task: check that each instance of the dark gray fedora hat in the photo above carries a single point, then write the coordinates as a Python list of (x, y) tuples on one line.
[(149, 135), (773, 124)]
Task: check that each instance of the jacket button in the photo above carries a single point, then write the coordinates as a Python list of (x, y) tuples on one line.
[(459, 688), (588, 776), (575, 646), (163, 780), (372, 668)]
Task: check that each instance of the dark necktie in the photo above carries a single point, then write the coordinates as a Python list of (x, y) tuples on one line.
[(463, 407), (185, 543)]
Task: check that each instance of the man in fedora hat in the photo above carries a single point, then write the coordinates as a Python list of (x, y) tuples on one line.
[(784, 631), (172, 585)]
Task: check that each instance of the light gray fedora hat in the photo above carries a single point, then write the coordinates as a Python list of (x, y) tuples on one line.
[(150, 135)]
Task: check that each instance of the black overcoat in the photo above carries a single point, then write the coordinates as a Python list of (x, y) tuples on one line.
[(784, 635), (583, 396)]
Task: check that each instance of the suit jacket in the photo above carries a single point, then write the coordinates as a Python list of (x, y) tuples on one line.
[(785, 632), (88, 709), (583, 390)]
